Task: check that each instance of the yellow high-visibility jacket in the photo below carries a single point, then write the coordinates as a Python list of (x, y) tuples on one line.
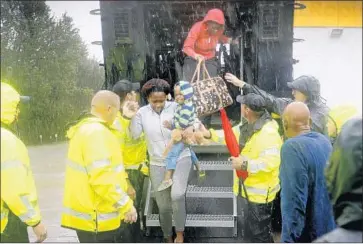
[(18, 192), (134, 152), (338, 116), (263, 152), (95, 197)]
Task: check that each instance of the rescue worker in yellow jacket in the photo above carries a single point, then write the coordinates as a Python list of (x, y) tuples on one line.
[(261, 158), (134, 158), (19, 201), (95, 199)]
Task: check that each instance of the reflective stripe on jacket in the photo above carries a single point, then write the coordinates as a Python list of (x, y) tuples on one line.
[(95, 196), (263, 152), (133, 150), (18, 191)]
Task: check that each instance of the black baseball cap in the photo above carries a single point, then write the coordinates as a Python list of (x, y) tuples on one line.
[(307, 84), (125, 86), (254, 101)]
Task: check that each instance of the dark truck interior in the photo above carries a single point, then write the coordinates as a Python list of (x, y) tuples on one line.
[(152, 34)]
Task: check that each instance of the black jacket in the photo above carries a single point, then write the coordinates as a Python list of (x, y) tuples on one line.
[(318, 110), (344, 179)]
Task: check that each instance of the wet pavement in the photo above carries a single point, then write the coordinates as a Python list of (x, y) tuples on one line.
[(48, 165)]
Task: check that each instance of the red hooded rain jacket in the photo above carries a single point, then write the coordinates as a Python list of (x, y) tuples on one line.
[(199, 41)]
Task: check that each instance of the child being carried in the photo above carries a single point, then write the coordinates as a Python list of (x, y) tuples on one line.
[(183, 118)]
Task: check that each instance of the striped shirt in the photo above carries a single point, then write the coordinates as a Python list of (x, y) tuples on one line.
[(184, 115)]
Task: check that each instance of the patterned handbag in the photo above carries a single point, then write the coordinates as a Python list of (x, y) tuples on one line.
[(210, 94)]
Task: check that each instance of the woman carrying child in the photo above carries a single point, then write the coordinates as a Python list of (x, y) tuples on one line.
[(149, 120)]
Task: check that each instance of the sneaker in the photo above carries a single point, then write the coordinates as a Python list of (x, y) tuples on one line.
[(165, 185)]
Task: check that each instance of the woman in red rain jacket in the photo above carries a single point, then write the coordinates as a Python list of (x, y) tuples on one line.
[(202, 41)]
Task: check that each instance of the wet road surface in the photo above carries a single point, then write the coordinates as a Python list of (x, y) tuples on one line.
[(48, 165)]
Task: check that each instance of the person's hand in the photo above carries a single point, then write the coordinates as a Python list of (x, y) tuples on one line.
[(130, 108), (40, 232), (131, 96), (237, 162), (199, 57), (167, 124), (188, 132), (234, 80), (131, 216), (206, 133), (131, 192)]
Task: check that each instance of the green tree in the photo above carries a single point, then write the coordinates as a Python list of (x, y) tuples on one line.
[(46, 59)]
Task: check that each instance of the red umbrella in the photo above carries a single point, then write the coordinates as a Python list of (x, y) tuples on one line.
[(231, 141)]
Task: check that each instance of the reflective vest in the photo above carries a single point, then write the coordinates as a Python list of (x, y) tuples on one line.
[(134, 152), (18, 191), (95, 196), (263, 152)]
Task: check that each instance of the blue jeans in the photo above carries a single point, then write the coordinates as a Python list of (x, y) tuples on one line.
[(174, 154)]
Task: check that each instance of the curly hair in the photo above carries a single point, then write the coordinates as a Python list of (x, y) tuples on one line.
[(155, 85)]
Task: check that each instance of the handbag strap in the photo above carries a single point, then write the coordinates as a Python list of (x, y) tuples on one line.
[(200, 65), (196, 72)]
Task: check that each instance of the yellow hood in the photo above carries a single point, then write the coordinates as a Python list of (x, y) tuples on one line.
[(84, 119), (10, 99)]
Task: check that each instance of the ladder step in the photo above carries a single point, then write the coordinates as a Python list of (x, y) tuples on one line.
[(197, 220), (212, 148), (209, 192), (216, 165)]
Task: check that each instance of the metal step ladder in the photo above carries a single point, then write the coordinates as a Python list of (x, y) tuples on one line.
[(195, 191)]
